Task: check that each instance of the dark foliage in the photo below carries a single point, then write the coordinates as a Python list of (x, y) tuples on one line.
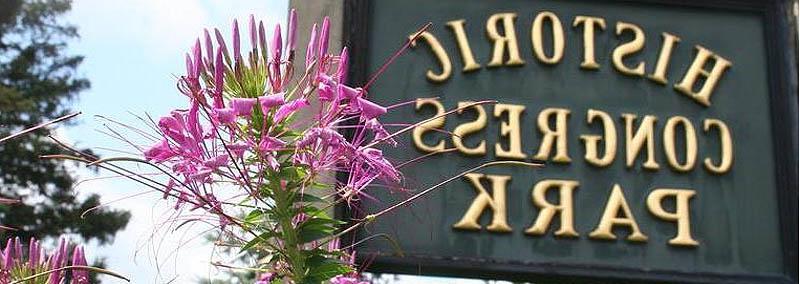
[(38, 80)]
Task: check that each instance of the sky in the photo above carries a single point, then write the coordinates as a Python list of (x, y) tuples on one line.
[(133, 51)]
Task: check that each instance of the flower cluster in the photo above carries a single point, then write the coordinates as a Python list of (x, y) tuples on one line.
[(16, 265), (272, 131), (240, 117)]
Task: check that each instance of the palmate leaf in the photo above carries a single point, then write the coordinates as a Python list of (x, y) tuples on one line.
[(317, 228), (307, 198), (323, 268), (262, 238)]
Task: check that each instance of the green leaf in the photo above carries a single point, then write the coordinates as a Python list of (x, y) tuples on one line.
[(254, 217), (308, 198), (326, 270), (317, 228), (264, 237)]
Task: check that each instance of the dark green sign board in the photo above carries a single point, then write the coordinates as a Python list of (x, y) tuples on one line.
[(668, 133)]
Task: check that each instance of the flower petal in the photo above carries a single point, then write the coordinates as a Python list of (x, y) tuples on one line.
[(289, 108), (370, 110), (243, 106), (270, 101)]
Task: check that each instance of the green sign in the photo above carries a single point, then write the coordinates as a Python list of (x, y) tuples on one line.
[(663, 129)]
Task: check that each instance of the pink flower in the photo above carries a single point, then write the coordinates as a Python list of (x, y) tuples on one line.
[(225, 115), (236, 48), (341, 70), (253, 32), (299, 218), (221, 43), (209, 46), (79, 276), (198, 66), (269, 144), (277, 45), (215, 162), (8, 253), (265, 278), (201, 175), (239, 148), (312, 44), (243, 106), (341, 279), (262, 39), (369, 110), (170, 186), (269, 101), (219, 80), (327, 92), (14, 265), (322, 50), (290, 108), (375, 160), (379, 131), (159, 152), (34, 252)]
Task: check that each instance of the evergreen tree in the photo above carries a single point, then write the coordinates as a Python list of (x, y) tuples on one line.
[(38, 80)]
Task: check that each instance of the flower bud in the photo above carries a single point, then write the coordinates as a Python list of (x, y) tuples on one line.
[(236, 48), (323, 39), (312, 45), (209, 46), (292, 30), (277, 45), (222, 46), (253, 33), (341, 71)]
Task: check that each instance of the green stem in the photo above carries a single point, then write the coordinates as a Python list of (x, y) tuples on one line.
[(290, 238)]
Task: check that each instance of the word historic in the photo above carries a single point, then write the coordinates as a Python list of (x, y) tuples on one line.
[(506, 44), (679, 143)]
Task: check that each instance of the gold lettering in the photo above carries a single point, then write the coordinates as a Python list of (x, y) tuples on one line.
[(549, 135), (435, 123), (496, 201), (548, 210), (628, 48), (502, 42), (680, 216), (592, 141), (511, 129), (463, 45), (589, 24), (697, 69), (467, 128), (634, 143), (611, 218), (726, 145), (660, 73), (558, 37), (669, 143), (441, 56)]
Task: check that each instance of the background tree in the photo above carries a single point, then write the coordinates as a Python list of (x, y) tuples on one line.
[(37, 82)]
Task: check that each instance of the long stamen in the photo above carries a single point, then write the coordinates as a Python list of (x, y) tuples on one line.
[(396, 55)]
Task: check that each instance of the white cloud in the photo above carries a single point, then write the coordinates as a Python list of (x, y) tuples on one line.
[(132, 49)]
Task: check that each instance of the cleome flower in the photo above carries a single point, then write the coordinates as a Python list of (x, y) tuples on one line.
[(241, 118), (263, 146), (34, 265), (261, 150)]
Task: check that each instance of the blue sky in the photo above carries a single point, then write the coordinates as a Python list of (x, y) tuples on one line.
[(134, 49)]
